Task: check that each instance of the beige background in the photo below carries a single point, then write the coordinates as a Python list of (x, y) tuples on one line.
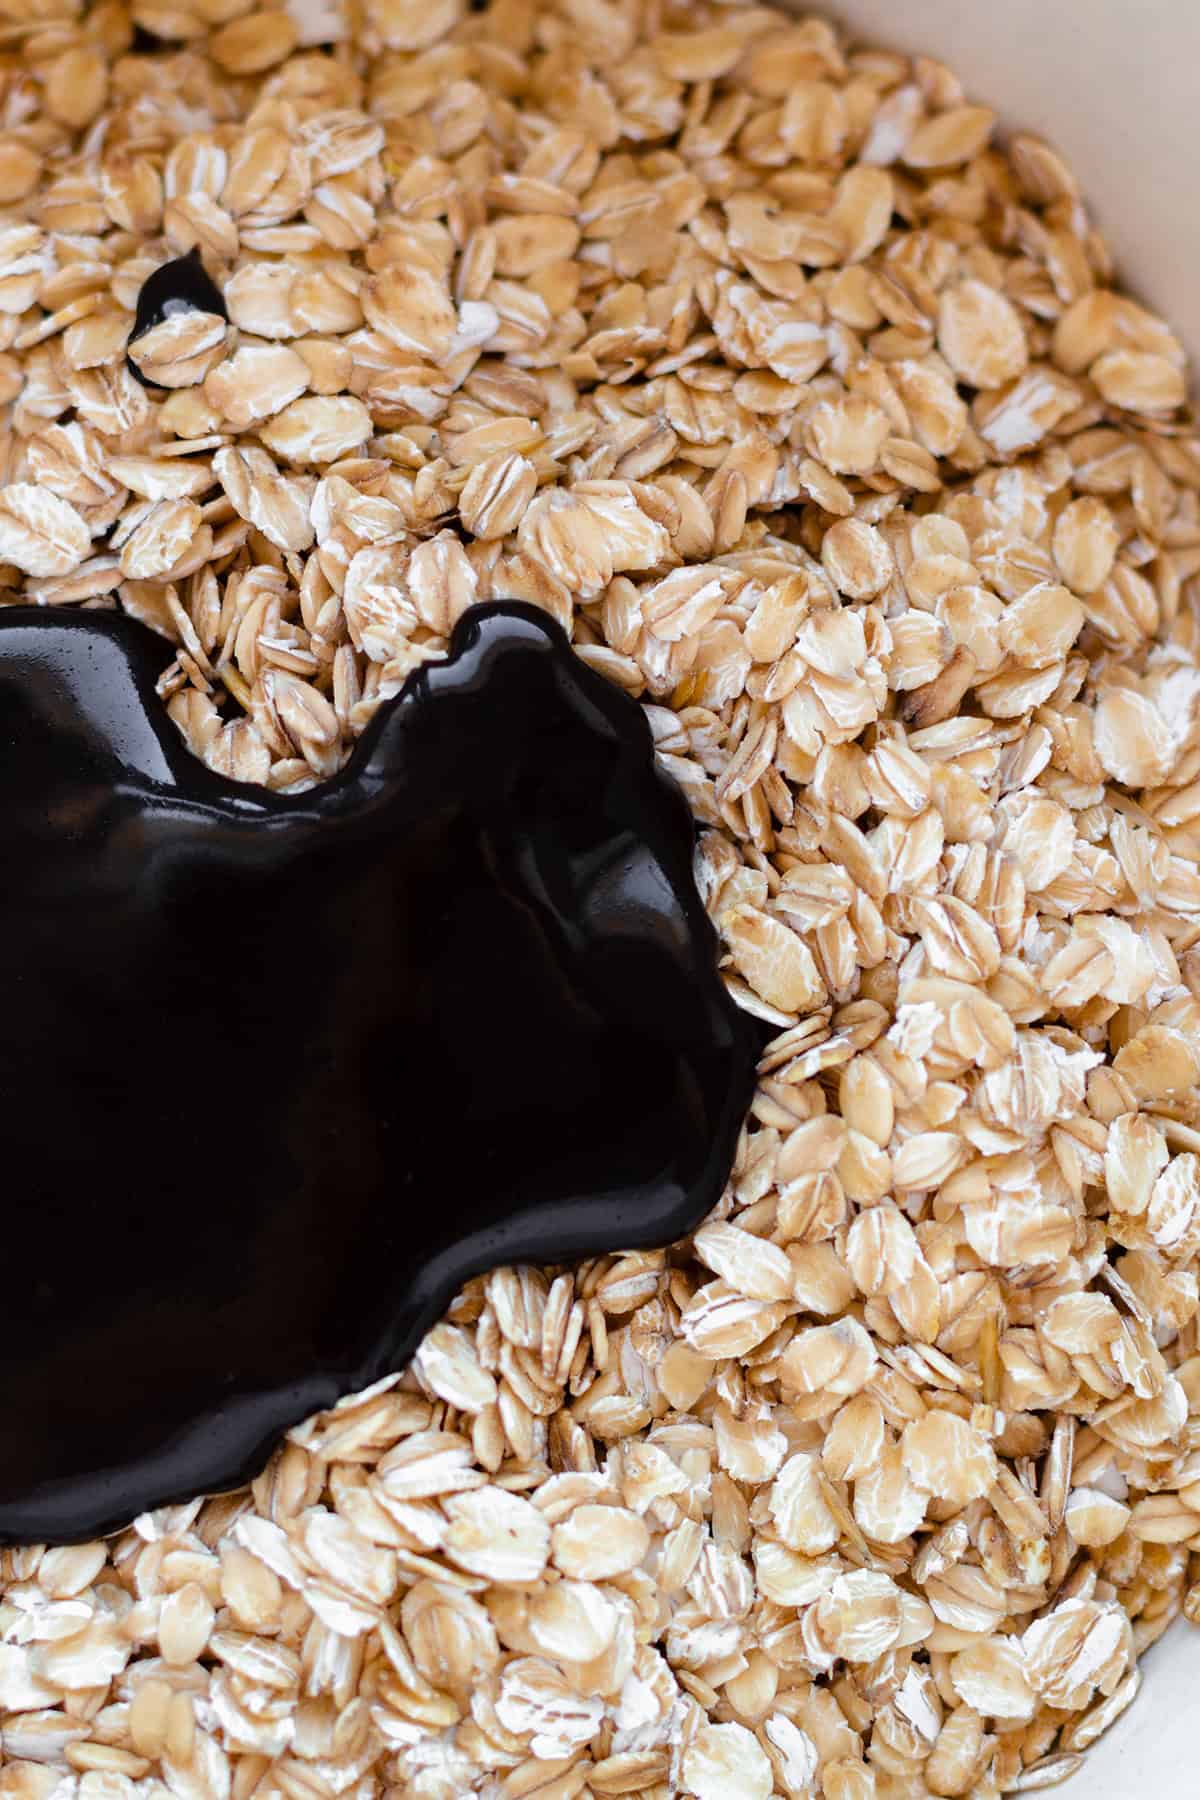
[(1115, 84)]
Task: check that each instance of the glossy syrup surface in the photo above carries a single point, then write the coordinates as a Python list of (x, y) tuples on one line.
[(278, 1073)]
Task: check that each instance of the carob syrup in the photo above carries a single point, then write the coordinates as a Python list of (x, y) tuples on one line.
[(183, 285), (278, 1073)]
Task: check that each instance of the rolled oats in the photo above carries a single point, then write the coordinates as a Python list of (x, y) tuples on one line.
[(726, 1759), (816, 421), (40, 533)]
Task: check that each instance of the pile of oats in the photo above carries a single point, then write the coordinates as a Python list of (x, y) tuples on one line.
[(813, 415)]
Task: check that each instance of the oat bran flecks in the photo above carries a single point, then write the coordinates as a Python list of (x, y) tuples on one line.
[(813, 415)]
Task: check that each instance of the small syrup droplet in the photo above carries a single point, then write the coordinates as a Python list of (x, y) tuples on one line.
[(183, 285)]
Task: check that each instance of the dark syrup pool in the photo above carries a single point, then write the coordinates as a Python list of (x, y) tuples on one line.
[(278, 1073)]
